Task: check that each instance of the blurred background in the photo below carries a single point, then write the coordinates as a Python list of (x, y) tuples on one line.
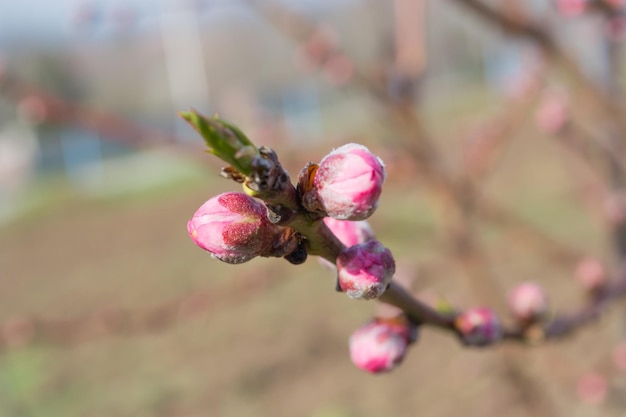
[(502, 138)]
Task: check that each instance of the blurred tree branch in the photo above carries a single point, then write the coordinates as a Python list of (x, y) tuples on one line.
[(43, 106), (602, 105)]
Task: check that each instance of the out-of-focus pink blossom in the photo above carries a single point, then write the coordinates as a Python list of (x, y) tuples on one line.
[(614, 207), (316, 50), (338, 69), (349, 232), (364, 270), (347, 183), (528, 301), (616, 4), (616, 28), (380, 345), (592, 388), (479, 326), (619, 356), (553, 113), (571, 8), (591, 274), (33, 109), (233, 227)]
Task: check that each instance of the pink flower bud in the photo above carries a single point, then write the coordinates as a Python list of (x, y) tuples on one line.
[(591, 274), (479, 326), (380, 345), (349, 232), (364, 270), (348, 183), (528, 302), (233, 227), (320, 45)]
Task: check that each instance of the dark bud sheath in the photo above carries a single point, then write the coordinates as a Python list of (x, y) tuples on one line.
[(299, 255)]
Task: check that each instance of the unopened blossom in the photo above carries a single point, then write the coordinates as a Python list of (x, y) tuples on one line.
[(380, 345), (349, 232), (591, 274), (233, 227), (365, 270), (479, 326), (347, 183), (528, 302)]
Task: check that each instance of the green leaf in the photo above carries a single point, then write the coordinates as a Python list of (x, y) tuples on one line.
[(224, 140)]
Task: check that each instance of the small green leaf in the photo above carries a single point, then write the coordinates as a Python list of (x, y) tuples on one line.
[(224, 140), (443, 306)]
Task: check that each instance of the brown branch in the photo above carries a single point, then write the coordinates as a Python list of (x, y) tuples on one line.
[(565, 324), (416, 310)]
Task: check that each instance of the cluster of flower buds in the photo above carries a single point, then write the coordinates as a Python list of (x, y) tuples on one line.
[(342, 190), (325, 215), (380, 345), (345, 188)]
